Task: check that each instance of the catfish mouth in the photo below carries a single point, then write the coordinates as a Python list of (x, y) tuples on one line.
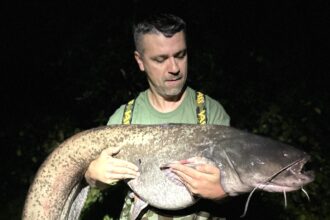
[(292, 177)]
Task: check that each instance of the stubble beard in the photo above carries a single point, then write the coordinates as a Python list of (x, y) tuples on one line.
[(170, 93), (173, 93)]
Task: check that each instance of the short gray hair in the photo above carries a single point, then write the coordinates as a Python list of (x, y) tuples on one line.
[(166, 24)]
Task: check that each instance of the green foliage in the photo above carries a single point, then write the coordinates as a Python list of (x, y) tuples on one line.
[(105, 204)]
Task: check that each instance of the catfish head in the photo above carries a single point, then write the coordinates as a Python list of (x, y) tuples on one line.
[(256, 162)]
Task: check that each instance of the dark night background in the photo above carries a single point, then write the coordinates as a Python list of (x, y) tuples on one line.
[(66, 66)]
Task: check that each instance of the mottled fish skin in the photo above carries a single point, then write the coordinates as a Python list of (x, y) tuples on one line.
[(245, 160)]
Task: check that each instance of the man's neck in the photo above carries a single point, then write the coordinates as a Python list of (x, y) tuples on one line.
[(164, 105)]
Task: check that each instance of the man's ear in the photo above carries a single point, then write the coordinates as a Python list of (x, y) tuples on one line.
[(139, 60)]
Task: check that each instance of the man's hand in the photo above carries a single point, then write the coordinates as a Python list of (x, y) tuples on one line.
[(108, 170), (203, 180)]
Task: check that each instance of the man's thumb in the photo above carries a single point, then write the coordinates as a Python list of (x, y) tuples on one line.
[(112, 150)]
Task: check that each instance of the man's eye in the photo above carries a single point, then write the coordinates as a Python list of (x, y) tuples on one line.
[(159, 60), (181, 55)]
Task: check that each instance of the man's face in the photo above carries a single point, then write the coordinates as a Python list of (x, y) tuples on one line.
[(165, 62)]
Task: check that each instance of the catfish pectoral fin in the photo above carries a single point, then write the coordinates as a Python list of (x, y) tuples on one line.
[(138, 206)]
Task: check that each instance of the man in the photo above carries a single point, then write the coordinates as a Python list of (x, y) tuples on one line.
[(161, 52)]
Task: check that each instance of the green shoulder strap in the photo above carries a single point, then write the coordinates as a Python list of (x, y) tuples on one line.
[(201, 108), (201, 112), (128, 112)]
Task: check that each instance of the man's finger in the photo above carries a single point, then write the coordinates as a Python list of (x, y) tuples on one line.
[(121, 170), (183, 176), (118, 176), (114, 162), (187, 181), (111, 151), (207, 168), (189, 171)]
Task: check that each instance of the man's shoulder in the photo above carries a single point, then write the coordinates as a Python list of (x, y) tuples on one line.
[(216, 113), (208, 99), (117, 116)]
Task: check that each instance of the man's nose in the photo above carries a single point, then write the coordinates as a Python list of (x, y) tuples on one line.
[(173, 66)]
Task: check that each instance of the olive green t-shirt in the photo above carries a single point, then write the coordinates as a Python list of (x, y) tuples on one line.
[(144, 113)]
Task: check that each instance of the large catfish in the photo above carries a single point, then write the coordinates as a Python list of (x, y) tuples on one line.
[(246, 162)]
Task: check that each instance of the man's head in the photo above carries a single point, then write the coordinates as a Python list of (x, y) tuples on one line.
[(161, 52)]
